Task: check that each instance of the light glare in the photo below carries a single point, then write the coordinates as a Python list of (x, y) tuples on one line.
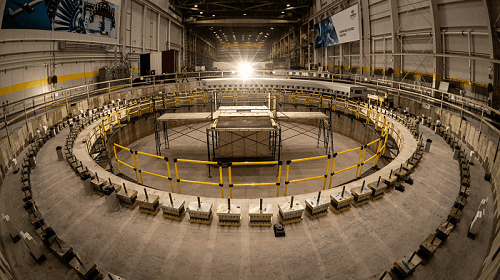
[(245, 70)]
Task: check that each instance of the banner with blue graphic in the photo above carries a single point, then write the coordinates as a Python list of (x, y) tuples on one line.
[(340, 28), (78, 16)]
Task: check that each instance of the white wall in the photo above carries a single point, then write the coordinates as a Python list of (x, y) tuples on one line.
[(28, 57)]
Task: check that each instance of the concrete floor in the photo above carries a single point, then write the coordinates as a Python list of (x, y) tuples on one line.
[(353, 245), (299, 141)]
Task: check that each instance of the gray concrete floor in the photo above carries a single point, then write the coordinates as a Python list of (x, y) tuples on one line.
[(299, 141), (353, 245)]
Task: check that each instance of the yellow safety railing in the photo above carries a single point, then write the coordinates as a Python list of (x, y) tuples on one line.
[(124, 163), (333, 172), (129, 113), (277, 183), (308, 178), (137, 153), (179, 180), (363, 161)]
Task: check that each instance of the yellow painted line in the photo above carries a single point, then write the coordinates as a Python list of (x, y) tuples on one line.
[(41, 82), (62, 104)]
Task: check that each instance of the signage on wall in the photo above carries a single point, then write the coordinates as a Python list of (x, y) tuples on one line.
[(96, 17), (340, 28)]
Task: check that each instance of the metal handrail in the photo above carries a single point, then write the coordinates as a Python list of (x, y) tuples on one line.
[(357, 79)]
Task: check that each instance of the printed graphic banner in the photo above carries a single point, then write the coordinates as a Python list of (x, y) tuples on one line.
[(340, 28), (79, 16)]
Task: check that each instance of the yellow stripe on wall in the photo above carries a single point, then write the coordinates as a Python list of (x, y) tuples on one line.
[(64, 78), (41, 82)]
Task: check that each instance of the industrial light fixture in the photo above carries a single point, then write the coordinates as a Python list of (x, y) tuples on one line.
[(244, 14), (282, 12), (201, 13), (272, 28), (213, 15), (288, 5), (196, 6), (245, 70)]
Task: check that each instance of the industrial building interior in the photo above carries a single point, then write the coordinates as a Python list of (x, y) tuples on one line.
[(239, 139)]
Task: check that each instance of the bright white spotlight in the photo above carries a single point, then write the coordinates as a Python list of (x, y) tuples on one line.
[(245, 70)]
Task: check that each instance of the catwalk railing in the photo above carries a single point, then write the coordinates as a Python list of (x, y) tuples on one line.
[(41, 104), (21, 118), (17, 114)]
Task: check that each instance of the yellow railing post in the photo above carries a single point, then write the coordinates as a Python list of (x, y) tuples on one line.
[(326, 172), (278, 182), (135, 167), (376, 121), (221, 184), (286, 177), (386, 134), (230, 181), (117, 162), (169, 175), (359, 161), (139, 167), (378, 151), (177, 176), (332, 172), (362, 163)]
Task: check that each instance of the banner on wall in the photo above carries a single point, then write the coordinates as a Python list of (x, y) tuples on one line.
[(340, 28), (95, 17)]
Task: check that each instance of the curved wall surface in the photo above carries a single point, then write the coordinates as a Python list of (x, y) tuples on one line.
[(483, 143)]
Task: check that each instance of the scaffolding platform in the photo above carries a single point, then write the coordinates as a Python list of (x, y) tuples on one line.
[(301, 115)]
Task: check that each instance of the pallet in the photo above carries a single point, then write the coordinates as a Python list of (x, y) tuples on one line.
[(129, 206), (260, 224), (229, 223), (202, 221), (359, 204), (373, 198), (174, 217), (289, 221), (341, 209), (317, 215), (148, 211)]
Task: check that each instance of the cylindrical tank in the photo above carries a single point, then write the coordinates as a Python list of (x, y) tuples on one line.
[(59, 153), (436, 128), (87, 187), (111, 199), (456, 152), (32, 160), (428, 145)]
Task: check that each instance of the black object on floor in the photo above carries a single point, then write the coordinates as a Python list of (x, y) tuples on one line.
[(487, 177), (15, 171), (409, 181), (400, 188), (279, 230)]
